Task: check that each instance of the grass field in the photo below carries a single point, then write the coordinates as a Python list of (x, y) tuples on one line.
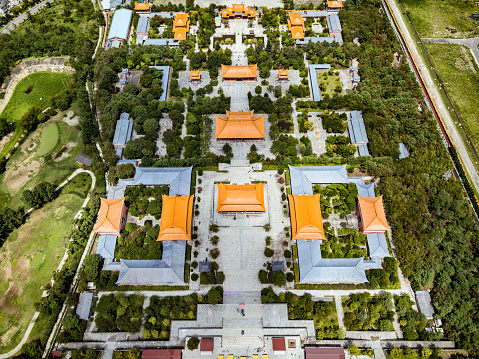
[(34, 90), (330, 81), (49, 139), (27, 260), (459, 73), (438, 18), (29, 164)]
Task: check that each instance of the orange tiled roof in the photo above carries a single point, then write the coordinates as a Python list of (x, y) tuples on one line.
[(180, 34), (296, 19), (109, 216), (241, 198), (372, 214), (195, 75), (248, 71), (335, 4), (306, 220), (238, 8), (297, 32), (181, 20), (176, 216), (239, 125), (283, 74), (142, 6)]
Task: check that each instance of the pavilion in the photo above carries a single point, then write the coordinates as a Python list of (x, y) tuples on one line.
[(239, 73), (238, 11), (283, 74), (335, 5), (306, 220), (372, 217), (176, 216), (142, 6), (296, 25), (240, 125), (111, 217), (181, 26), (241, 198), (195, 75)]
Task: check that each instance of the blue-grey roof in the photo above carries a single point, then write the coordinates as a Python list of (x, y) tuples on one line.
[(139, 39), (314, 79), (160, 42), (177, 178), (306, 40), (313, 13), (124, 70), (313, 268), (338, 37), (403, 152), (169, 269), (354, 68), (363, 150), (106, 246), (333, 23), (120, 24), (423, 299), (365, 190), (303, 177), (110, 4), (377, 245), (204, 267), (119, 151), (143, 25), (165, 80), (122, 162), (84, 305), (373, 263), (357, 130), (164, 14), (277, 265), (123, 130)]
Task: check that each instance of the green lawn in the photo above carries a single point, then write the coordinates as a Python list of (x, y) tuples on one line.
[(49, 139), (330, 81), (459, 73), (28, 165), (34, 90), (439, 18), (27, 260)]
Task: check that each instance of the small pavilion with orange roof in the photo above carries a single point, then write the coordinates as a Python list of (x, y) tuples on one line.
[(176, 216), (181, 26), (111, 217), (372, 218), (283, 74), (296, 25), (238, 11), (335, 4), (142, 6), (306, 220), (241, 198), (195, 75), (240, 125)]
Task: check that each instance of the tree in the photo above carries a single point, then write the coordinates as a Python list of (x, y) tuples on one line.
[(227, 148), (70, 322), (354, 351), (92, 265), (5, 127), (29, 120), (193, 343), (33, 349), (125, 170)]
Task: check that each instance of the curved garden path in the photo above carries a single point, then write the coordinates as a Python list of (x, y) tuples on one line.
[(15, 350)]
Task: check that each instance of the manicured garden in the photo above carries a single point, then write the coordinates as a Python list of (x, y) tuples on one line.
[(119, 313), (138, 242), (329, 83), (163, 310), (142, 200), (304, 308), (365, 312)]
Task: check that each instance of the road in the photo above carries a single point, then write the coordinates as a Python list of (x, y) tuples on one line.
[(21, 18), (470, 43), (434, 92)]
